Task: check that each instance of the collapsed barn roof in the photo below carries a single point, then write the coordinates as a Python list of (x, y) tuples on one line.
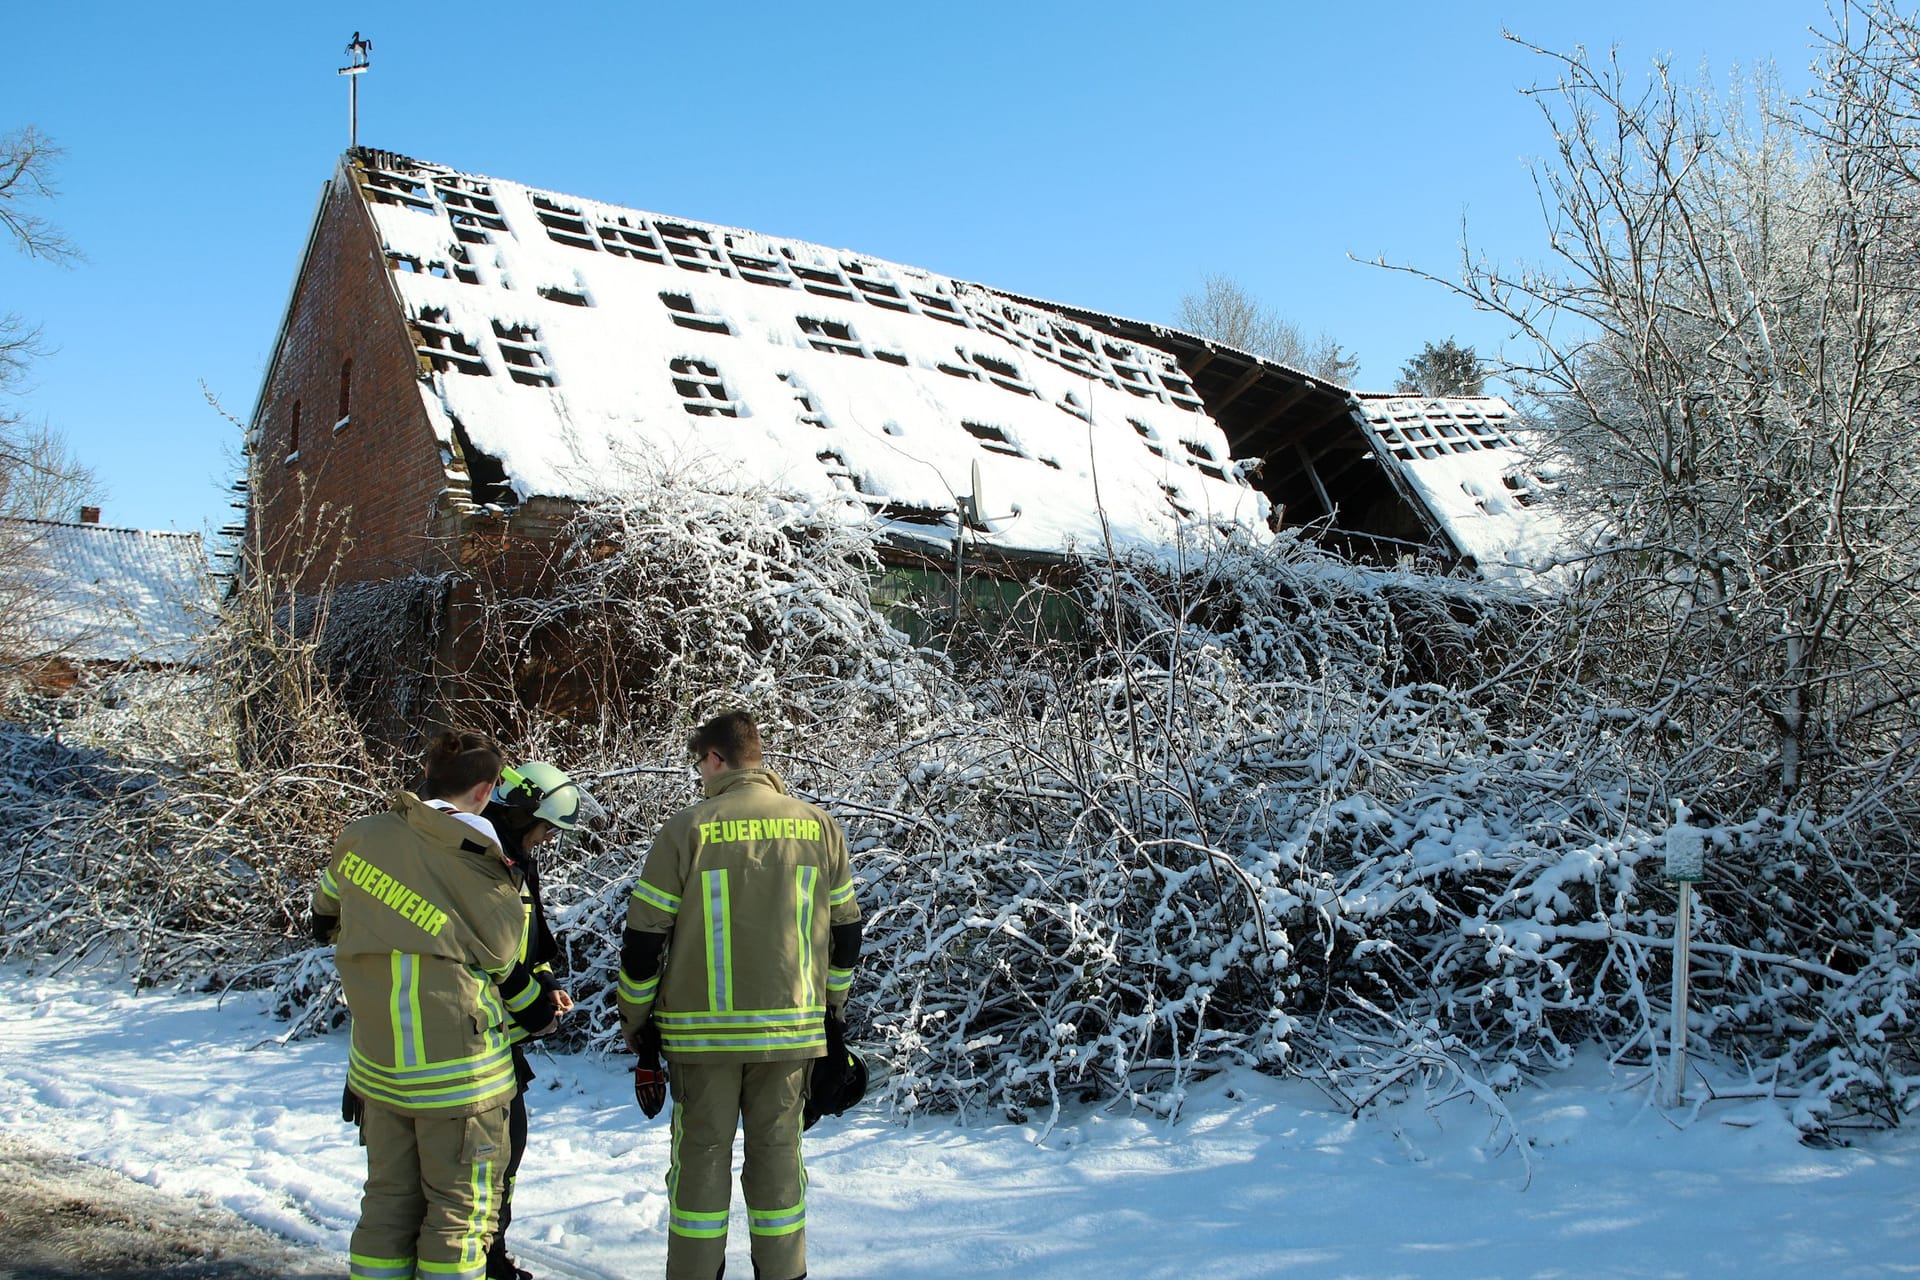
[(1468, 465), (574, 346), (570, 349)]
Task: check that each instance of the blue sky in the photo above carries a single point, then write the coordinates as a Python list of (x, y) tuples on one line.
[(1109, 156)]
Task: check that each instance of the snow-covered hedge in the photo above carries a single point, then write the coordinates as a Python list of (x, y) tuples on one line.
[(1269, 808)]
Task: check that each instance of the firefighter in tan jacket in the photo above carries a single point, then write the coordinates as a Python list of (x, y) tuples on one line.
[(427, 922), (742, 935)]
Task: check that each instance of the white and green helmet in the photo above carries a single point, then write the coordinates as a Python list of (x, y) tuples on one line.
[(544, 792)]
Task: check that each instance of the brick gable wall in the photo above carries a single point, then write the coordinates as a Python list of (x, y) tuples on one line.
[(382, 470)]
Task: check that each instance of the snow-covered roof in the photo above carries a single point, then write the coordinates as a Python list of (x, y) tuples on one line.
[(95, 593), (1467, 460), (580, 344)]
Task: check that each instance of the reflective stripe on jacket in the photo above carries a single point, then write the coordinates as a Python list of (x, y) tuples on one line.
[(538, 950), (749, 883), (430, 929)]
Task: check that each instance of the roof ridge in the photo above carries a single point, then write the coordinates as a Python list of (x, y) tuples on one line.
[(103, 528)]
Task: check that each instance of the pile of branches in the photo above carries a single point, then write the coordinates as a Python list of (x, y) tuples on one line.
[(1268, 809), (155, 852), (1243, 821)]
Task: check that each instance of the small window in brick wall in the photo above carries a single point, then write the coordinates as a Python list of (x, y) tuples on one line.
[(293, 436), (346, 394), (526, 359)]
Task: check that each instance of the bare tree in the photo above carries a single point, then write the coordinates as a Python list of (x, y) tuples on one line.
[(40, 479), (1226, 313), (27, 159), (1728, 345), (39, 476)]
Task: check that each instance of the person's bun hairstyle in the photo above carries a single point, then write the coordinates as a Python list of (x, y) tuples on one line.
[(460, 760)]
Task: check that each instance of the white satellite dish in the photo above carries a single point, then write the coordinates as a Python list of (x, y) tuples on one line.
[(973, 507)]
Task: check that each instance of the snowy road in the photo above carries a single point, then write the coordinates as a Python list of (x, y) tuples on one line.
[(1260, 1179)]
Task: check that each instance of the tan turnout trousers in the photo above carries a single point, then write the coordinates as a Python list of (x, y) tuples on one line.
[(711, 1100), (433, 1189)]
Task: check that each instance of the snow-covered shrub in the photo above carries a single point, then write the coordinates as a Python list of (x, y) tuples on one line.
[(1264, 808), (172, 820), (1123, 856), (663, 600), (129, 834)]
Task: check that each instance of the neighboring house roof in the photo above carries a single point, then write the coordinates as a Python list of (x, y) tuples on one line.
[(90, 592), (573, 342), (1466, 460)]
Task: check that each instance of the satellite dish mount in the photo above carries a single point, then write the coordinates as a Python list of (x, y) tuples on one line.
[(973, 519), (973, 506)]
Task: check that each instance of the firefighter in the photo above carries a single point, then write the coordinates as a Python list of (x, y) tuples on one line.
[(533, 804), (427, 925), (741, 940)]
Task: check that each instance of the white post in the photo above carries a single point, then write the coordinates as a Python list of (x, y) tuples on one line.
[(1686, 862), (1682, 938)]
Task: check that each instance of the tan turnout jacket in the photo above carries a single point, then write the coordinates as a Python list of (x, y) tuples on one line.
[(430, 926), (748, 883)]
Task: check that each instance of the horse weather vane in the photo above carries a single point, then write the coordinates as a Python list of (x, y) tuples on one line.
[(359, 58)]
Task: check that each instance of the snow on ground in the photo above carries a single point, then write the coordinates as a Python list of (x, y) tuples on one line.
[(1258, 1178)]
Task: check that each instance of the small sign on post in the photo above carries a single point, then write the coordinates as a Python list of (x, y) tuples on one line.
[(1686, 852), (1686, 860)]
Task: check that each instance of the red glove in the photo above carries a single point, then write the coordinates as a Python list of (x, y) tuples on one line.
[(650, 1089), (650, 1073)]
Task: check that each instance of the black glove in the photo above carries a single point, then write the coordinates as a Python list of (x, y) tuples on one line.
[(352, 1110), (650, 1073)]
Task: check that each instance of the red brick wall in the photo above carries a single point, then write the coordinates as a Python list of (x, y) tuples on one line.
[(380, 475), (379, 480)]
